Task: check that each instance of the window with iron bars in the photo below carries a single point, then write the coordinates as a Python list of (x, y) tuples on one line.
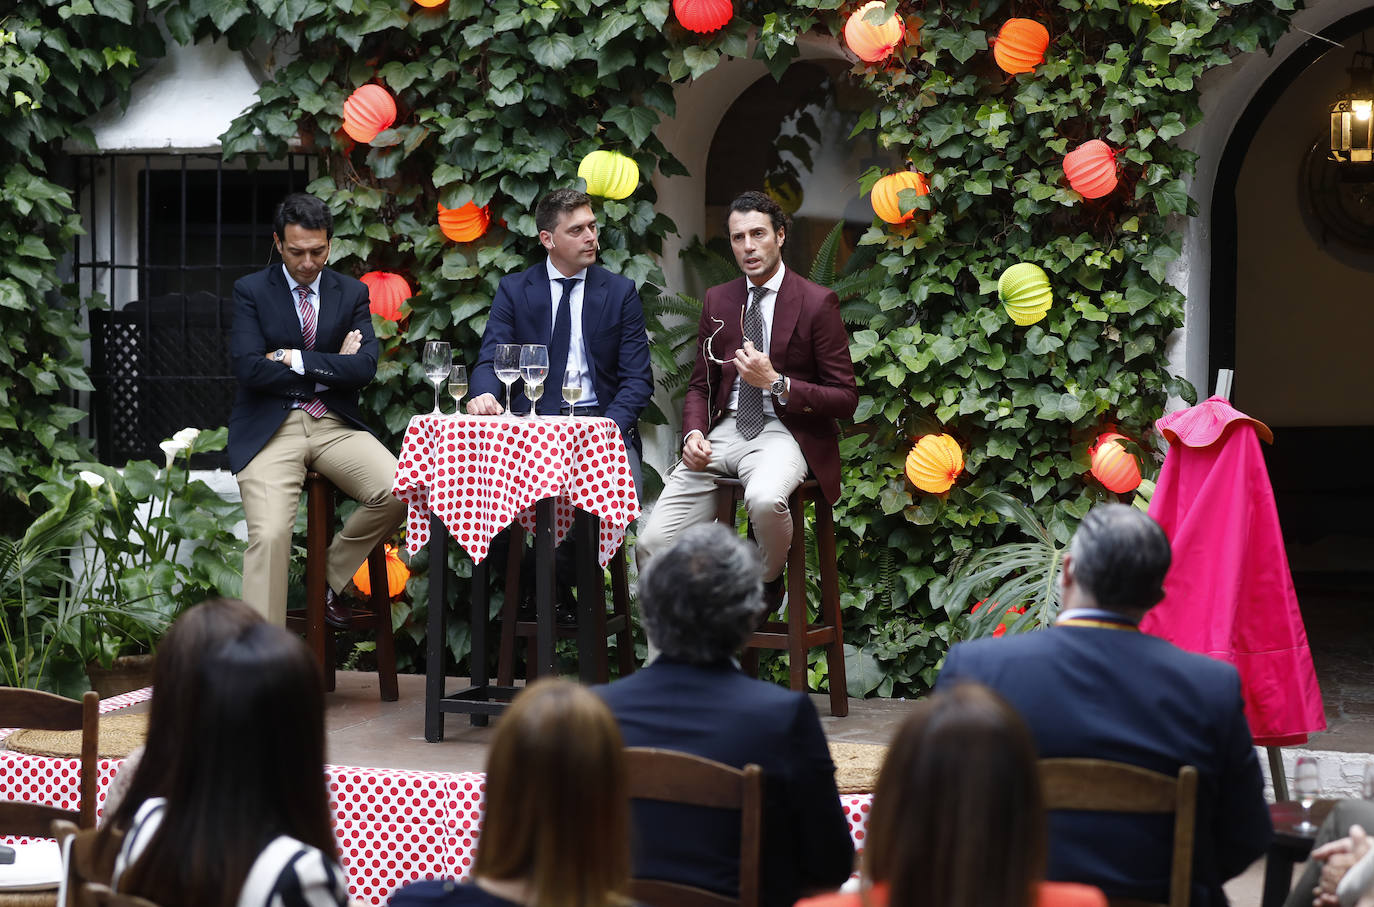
[(166, 237)]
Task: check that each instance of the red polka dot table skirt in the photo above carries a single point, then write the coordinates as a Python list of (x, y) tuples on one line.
[(393, 826), (479, 474)]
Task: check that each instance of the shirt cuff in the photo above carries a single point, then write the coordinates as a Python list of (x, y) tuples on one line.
[(297, 362)]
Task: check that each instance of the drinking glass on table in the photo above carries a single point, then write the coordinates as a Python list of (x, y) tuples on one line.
[(1368, 789), (457, 385), (534, 368), (507, 367), (437, 360), (572, 390), (1307, 783)]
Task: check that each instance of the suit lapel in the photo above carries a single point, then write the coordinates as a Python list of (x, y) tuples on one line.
[(538, 313), (593, 302), (786, 311), (731, 336)]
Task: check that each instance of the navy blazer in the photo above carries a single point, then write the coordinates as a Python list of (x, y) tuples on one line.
[(612, 331), (265, 319), (1130, 697), (719, 713)]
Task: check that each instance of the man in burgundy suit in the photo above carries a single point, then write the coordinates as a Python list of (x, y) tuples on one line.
[(772, 375)]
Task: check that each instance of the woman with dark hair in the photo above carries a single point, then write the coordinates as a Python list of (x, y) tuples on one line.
[(957, 818), (556, 827), (242, 817)]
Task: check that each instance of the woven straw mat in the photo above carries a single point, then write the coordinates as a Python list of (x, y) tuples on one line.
[(857, 766), (119, 735)]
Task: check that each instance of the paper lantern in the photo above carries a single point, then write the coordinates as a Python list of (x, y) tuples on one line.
[(934, 463), (885, 199), (367, 112), (1020, 45), (703, 16), (1025, 292), (1113, 465), (1091, 169), (872, 43), (396, 575), (430, 4), (609, 174), (386, 291), (786, 190), (464, 224)]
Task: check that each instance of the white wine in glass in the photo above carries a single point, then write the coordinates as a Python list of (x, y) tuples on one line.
[(458, 386), (533, 391), (534, 368), (438, 360), (572, 390), (1307, 783), (507, 367)]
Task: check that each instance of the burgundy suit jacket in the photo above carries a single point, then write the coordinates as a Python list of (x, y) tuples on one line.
[(809, 345)]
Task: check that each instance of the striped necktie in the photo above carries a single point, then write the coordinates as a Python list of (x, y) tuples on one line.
[(314, 406), (749, 408)]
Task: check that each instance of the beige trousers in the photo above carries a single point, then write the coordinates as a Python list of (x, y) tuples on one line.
[(270, 485), (771, 466)]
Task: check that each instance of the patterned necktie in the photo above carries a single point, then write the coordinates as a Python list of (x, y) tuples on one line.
[(314, 406), (559, 342), (749, 409)]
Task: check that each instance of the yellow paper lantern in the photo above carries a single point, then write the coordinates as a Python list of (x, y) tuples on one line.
[(609, 174), (784, 189), (1025, 292), (934, 463)]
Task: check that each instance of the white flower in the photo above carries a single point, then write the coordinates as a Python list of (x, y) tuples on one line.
[(93, 479), (171, 448), (187, 436)]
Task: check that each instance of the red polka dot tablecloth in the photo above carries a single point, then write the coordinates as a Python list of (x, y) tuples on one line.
[(479, 474), (393, 826)]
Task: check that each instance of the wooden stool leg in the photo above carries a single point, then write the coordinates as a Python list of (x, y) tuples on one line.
[(725, 505), (620, 596), (830, 606), (796, 597), (319, 512), (510, 607), (381, 618)]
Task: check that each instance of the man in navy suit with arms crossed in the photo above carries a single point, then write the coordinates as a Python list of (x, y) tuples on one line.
[(1093, 686), (302, 346)]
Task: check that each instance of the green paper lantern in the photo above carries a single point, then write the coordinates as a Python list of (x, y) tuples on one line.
[(609, 174), (1025, 292)]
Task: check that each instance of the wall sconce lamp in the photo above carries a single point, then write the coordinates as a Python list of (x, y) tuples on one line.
[(1352, 114)]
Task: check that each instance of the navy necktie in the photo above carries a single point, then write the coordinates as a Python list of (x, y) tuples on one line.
[(559, 342)]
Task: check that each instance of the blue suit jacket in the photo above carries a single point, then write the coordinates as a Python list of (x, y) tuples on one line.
[(719, 713), (265, 319), (1130, 697), (612, 331)]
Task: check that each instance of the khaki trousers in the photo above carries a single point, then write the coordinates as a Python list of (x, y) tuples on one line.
[(271, 483), (771, 466)]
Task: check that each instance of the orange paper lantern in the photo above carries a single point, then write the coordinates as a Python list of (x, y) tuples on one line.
[(1020, 45), (1113, 465), (367, 112), (934, 463), (430, 4), (1091, 169), (396, 575), (885, 199), (464, 224), (703, 16), (873, 42), (386, 292)]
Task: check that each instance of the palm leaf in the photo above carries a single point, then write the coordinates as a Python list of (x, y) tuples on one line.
[(823, 267)]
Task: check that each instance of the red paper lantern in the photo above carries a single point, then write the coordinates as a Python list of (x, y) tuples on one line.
[(703, 16), (885, 199), (367, 112), (396, 575), (1091, 168), (386, 292), (1020, 45), (1113, 465), (870, 42), (464, 224)]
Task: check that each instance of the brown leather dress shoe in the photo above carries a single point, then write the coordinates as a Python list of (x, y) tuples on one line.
[(337, 612)]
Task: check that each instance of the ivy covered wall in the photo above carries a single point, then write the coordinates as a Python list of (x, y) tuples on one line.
[(500, 100)]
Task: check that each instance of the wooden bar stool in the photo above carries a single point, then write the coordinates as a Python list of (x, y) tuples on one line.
[(319, 636), (796, 635), (601, 625)]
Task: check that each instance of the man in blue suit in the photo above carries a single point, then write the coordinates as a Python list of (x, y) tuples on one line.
[(302, 346), (701, 598), (1093, 686)]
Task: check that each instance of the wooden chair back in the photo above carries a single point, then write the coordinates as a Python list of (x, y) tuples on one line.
[(93, 894), (673, 777), (89, 858), (1105, 786), (36, 709)]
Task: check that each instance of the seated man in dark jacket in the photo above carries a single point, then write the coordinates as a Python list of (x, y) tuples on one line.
[(700, 599)]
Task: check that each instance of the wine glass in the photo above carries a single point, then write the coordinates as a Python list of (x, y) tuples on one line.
[(534, 368), (1369, 781), (457, 385), (507, 367), (438, 360), (1307, 782), (572, 390)]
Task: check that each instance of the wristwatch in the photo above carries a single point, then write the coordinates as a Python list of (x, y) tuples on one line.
[(778, 387), (279, 356)]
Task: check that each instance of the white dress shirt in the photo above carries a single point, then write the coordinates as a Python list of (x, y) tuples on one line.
[(577, 351), (297, 360), (766, 305)]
